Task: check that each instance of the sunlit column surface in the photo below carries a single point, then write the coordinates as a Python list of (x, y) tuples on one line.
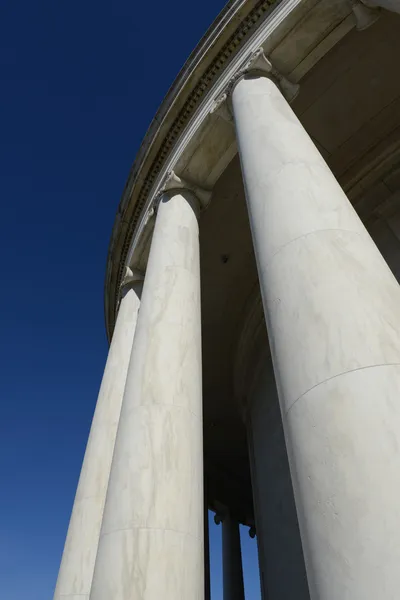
[(151, 544), (77, 565), (232, 560), (332, 308)]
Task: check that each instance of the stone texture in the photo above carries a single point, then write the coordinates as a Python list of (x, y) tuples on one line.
[(348, 481), (233, 587), (333, 315), (151, 542), (77, 565)]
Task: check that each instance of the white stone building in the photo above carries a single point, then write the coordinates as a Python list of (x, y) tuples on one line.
[(253, 312)]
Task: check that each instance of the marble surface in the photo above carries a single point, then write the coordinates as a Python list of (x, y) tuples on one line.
[(348, 482), (333, 316), (151, 542), (77, 565)]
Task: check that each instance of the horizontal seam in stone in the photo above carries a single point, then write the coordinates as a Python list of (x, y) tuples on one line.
[(73, 595), (106, 424), (296, 163), (150, 529), (180, 268), (89, 497), (339, 375), (304, 235), (164, 405)]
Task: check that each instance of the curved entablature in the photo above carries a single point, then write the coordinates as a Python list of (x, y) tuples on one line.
[(188, 136), (203, 67)]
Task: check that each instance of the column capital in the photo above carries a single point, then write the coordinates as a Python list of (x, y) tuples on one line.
[(364, 15), (256, 64), (131, 276), (173, 183), (223, 513), (218, 518), (252, 532)]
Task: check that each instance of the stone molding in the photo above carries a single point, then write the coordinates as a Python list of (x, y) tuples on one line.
[(256, 64), (261, 20), (242, 27), (131, 277), (243, 31), (173, 183)]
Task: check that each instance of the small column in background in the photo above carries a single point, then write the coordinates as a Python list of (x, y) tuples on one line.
[(233, 586)]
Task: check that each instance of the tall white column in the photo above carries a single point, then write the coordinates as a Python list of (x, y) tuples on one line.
[(333, 315), (77, 564), (232, 560), (151, 543)]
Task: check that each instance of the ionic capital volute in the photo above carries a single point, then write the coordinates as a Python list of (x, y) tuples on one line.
[(131, 277), (198, 197), (256, 64)]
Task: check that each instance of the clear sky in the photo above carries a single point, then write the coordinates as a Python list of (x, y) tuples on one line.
[(80, 83)]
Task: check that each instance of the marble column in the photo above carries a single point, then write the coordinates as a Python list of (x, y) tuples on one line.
[(151, 543), (332, 309), (232, 560), (207, 580), (77, 564)]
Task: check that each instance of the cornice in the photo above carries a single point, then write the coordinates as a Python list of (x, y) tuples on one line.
[(251, 15), (243, 27)]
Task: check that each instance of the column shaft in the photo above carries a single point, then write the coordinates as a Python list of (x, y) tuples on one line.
[(281, 560), (77, 564), (232, 560), (151, 543), (332, 308), (207, 581)]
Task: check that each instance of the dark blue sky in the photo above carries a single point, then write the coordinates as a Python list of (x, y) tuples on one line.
[(80, 83)]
